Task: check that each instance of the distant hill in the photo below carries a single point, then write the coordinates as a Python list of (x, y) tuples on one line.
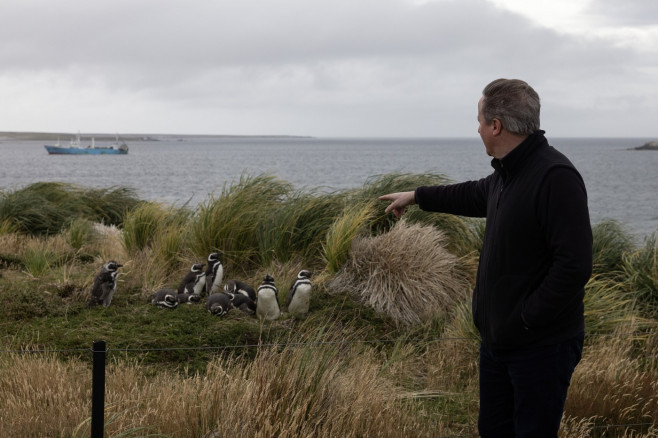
[(650, 146), (66, 136)]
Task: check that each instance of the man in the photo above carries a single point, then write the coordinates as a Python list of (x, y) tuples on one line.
[(535, 261)]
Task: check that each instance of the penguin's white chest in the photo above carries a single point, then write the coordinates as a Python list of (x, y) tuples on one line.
[(199, 283), (301, 300), (217, 281), (268, 306)]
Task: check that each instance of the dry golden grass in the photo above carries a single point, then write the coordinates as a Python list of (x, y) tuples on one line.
[(616, 381), (319, 391), (406, 273), (41, 395)]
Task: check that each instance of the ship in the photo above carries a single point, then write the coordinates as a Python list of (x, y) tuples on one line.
[(75, 147)]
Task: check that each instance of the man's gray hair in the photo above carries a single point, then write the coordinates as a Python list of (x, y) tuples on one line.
[(514, 103)]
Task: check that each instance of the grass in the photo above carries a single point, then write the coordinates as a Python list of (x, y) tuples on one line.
[(641, 271), (47, 208), (386, 349), (406, 273)]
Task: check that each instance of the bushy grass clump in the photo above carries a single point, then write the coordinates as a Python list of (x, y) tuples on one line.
[(47, 208), (348, 226), (464, 234), (641, 270), (407, 273), (611, 240), (231, 221), (297, 227)]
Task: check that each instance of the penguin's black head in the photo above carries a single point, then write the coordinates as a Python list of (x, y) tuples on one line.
[(304, 273), (268, 279), (194, 298), (197, 267), (112, 266), (218, 310), (213, 256)]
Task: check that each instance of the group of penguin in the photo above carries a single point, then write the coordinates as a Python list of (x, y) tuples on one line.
[(236, 294)]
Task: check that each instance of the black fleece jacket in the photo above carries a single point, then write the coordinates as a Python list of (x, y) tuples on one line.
[(537, 252)]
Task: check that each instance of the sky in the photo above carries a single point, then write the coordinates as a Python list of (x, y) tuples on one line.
[(324, 68)]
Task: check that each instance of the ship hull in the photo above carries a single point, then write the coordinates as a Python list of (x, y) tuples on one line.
[(59, 150)]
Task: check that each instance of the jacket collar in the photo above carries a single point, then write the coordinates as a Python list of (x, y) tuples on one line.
[(510, 163)]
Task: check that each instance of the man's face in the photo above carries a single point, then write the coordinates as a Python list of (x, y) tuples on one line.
[(484, 129)]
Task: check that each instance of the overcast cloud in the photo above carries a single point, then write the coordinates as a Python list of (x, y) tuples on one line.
[(320, 67)]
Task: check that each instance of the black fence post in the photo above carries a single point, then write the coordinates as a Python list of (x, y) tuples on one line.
[(98, 390)]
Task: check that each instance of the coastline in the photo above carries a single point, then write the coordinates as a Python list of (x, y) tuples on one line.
[(63, 136)]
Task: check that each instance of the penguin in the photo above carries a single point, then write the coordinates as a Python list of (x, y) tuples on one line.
[(105, 284), (242, 302), (267, 304), (219, 304), (165, 298), (299, 296), (188, 298), (214, 273), (240, 287), (194, 281)]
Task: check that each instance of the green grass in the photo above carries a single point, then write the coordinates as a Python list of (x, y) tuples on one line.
[(47, 208)]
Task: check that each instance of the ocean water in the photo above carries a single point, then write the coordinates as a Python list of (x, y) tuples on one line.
[(622, 183)]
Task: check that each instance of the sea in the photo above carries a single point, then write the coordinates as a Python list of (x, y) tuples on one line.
[(622, 183)]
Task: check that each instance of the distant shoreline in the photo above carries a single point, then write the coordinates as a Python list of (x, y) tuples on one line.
[(66, 136)]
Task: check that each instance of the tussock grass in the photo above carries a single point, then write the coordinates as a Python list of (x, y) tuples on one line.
[(611, 240), (343, 231), (464, 234), (230, 222), (47, 208), (406, 273), (298, 226), (641, 270), (608, 304), (80, 232), (39, 254)]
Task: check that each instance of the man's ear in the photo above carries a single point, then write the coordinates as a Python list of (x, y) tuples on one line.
[(496, 126)]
